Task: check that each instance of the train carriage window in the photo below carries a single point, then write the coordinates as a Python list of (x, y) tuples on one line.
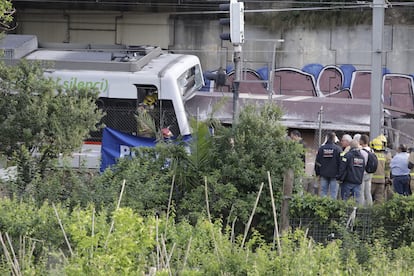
[(119, 114), (122, 114)]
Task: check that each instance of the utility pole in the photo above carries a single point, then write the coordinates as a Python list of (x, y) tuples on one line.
[(236, 83), (320, 117), (377, 113)]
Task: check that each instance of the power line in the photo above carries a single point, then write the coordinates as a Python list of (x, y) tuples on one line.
[(177, 4), (210, 7), (309, 9)]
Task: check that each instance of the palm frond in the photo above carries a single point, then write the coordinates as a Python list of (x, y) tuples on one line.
[(200, 145), (145, 124)]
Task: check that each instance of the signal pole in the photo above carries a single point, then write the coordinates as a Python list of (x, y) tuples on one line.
[(377, 113), (236, 37), (236, 83)]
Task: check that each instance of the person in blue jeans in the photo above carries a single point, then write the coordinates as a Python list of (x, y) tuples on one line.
[(327, 163), (351, 173)]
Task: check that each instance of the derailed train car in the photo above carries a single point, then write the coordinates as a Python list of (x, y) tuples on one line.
[(328, 97)]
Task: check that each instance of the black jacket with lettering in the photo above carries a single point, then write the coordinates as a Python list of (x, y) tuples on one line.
[(327, 160), (352, 167)]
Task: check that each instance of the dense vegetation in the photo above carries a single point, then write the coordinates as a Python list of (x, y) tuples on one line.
[(123, 242), (40, 122), (175, 212)]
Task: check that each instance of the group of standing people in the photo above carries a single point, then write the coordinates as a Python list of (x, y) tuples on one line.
[(341, 169)]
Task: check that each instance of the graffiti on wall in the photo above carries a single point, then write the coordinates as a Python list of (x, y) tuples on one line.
[(316, 80)]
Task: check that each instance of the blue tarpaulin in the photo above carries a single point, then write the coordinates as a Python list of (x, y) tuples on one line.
[(116, 144)]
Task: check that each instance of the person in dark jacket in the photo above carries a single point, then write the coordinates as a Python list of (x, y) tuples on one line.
[(351, 172), (327, 163)]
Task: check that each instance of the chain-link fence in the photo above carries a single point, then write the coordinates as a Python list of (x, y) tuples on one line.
[(123, 117), (321, 134), (362, 224), (395, 129), (358, 221)]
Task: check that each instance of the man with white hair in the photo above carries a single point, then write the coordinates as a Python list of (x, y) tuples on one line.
[(345, 142)]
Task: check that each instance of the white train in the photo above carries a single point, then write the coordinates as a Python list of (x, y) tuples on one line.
[(126, 77)]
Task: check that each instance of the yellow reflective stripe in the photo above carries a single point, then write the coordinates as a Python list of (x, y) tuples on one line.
[(378, 176)]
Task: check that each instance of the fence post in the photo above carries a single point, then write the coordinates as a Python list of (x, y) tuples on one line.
[(287, 194), (320, 119)]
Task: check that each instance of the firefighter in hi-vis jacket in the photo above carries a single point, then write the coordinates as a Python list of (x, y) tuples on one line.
[(380, 183)]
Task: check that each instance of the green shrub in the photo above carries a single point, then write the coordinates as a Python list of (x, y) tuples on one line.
[(147, 185), (126, 243), (394, 221), (99, 251)]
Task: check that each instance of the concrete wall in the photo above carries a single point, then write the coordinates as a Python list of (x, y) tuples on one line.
[(200, 36), (96, 27)]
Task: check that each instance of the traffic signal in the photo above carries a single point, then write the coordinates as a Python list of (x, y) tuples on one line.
[(235, 22)]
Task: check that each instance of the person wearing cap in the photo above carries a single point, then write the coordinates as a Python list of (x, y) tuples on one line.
[(351, 172), (381, 177), (400, 173)]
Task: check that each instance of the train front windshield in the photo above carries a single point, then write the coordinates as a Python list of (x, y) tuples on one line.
[(190, 81)]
